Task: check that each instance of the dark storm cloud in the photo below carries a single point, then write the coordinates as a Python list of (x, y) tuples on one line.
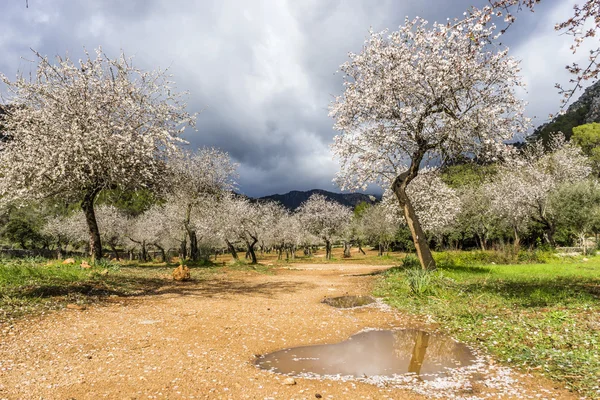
[(261, 72)]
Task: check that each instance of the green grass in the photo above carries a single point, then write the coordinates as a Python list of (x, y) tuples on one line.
[(36, 285), (540, 317)]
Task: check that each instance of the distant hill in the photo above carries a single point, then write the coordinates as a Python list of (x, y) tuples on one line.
[(585, 110), (293, 199)]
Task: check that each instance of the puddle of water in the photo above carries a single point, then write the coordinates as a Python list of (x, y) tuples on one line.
[(349, 301), (374, 353)]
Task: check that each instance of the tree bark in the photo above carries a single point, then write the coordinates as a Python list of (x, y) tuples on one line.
[(361, 249), (114, 250), (347, 248), (163, 255), (251, 250), (183, 249), (87, 205), (479, 240), (194, 253), (144, 253), (418, 236), (232, 250), (328, 250)]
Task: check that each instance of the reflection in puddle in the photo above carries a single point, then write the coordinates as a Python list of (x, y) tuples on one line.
[(374, 353), (349, 301)]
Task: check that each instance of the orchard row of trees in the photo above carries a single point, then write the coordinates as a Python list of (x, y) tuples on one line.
[(420, 96), (549, 195)]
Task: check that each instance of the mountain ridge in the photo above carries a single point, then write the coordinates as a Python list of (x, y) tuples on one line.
[(584, 110), (293, 199)]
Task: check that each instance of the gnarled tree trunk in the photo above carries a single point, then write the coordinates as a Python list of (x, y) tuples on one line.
[(399, 187), (163, 254), (327, 249), (231, 249), (183, 249), (347, 247), (87, 205), (194, 252), (251, 250), (114, 250)]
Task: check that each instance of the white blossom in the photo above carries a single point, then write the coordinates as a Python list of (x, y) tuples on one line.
[(324, 218)]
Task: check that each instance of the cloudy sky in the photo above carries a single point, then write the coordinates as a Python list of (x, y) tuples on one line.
[(262, 73)]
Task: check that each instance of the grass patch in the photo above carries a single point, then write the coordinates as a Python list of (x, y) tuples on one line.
[(36, 285), (540, 317)]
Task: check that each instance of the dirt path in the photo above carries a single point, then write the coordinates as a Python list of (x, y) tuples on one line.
[(198, 340)]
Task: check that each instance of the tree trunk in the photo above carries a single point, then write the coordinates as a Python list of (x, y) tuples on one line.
[(517, 241), (293, 252), (194, 253), (59, 250), (481, 241), (251, 250), (163, 254), (87, 205), (144, 253), (361, 250), (347, 248), (583, 243), (114, 250), (183, 249), (232, 250), (328, 250), (418, 236)]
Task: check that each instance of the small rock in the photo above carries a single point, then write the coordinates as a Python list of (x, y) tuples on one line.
[(85, 265), (585, 259), (69, 261), (318, 396), (75, 307), (289, 381), (181, 273)]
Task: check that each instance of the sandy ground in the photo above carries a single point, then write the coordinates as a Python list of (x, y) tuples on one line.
[(198, 340)]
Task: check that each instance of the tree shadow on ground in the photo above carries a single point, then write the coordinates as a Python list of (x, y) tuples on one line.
[(471, 269), (132, 287), (539, 292)]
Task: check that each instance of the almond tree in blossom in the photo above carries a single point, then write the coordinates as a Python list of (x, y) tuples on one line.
[(477, 215), (380, 226), (422, 93), (65, 230), (582, 25), (79, 127), (325, 219), (524, 184), (197, 179)]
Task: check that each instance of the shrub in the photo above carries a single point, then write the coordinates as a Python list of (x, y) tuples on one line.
[(107, 264), (411, 261), (418, 280)]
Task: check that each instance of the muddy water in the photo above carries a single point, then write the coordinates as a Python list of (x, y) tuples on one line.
[(349, 301), (374, 353)]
